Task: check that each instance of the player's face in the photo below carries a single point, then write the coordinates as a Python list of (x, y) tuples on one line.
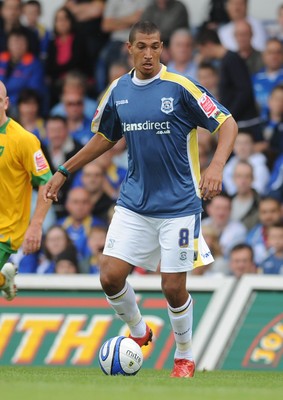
[(146, 51)]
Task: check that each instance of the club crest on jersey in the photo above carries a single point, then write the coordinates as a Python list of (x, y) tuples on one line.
[(40, 161), (1, 150), (167, 104)]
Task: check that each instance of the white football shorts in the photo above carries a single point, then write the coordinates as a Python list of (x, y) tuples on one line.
[(176, 243)]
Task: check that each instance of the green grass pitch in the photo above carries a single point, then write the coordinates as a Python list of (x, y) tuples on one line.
[(50, 383)]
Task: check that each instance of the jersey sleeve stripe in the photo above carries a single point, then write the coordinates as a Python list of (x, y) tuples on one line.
[(108, 140), (101, 106)]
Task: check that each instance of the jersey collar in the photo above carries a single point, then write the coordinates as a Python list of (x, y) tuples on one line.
[(3, 127)]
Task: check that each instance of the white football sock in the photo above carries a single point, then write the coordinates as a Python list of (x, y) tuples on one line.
[(125, 305), (181, 319)]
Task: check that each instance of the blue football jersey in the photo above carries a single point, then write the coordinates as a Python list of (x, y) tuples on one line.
[(159, 122)]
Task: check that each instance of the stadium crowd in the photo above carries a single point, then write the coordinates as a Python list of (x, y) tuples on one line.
[(55, 80)]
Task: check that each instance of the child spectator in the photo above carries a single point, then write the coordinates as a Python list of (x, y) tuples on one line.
[(31, 16), (20, 69), (96, 242), (79, 222), (273, 264), (29, 106), (67, 262), (244, 151), (208, 77)]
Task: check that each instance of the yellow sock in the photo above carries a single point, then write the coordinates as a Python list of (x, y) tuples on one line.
[(2, 280)]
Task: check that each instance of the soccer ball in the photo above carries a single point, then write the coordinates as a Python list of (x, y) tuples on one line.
[(120, 355)]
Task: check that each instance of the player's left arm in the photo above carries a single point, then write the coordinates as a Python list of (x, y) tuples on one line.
[(33, 235), (211, 180)]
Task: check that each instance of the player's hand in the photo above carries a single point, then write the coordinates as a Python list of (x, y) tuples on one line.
[(211, 182), (32, 239), (52, 187)]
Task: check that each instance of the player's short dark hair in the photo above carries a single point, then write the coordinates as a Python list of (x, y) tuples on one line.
[(146, 27), (243, 246), (206, 36)]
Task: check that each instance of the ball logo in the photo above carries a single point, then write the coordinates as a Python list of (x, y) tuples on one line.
[(167, 104)]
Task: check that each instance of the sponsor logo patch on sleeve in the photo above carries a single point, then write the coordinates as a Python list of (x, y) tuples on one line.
[(208, 106), (40, 161)]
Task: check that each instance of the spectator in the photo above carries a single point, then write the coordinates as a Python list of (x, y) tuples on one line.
[(244, 151), (114, 175), (274, 117), (269, 214), (58, 147), (273, 264), (10, 20), (118, 18), (276, 29), (88, 15), (271, 75), (65, 52), (219, 266), (116, 69), (29, 106), (275, 185), (20, 69), (92, 179), (243, 35), (219, 218), (96, 242), (238, 10), (208, 77), (168, 15), (75, 82), (217, 15), (241, 260), (55, 242), (67, 262), (276, 120), (181, 50), (78, 124), (31, 18), (235, 87), (79, 221), (246, 200)]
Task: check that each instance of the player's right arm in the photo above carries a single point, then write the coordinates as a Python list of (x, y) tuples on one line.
[(93, 149)]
